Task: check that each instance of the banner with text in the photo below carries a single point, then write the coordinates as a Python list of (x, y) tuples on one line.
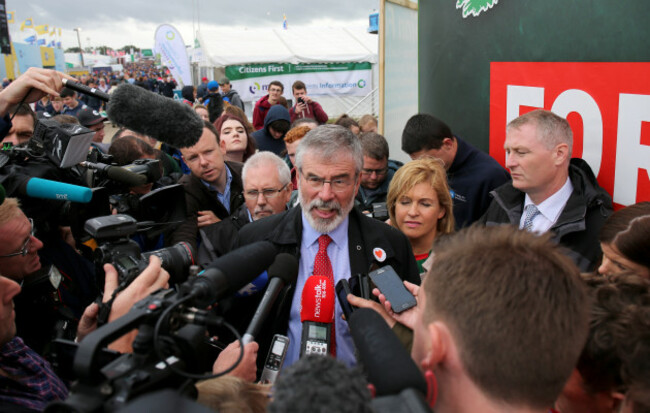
[(350, 79), (606, 104), (170, 45)]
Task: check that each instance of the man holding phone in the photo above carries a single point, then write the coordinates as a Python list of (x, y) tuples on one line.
[(329, 160), (305, 106)]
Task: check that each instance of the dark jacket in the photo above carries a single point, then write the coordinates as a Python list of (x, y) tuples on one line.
[(234, 99), (214, 102), (201, 90), (199, 198), (263, 138), (285, 231), (221, 237), (471, 176), (579, 223), (367, 197)]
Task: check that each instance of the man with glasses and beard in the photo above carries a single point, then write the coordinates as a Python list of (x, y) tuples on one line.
[(329, 160)]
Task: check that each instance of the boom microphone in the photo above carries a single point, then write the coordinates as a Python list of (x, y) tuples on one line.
[(283, 271), (388, 365), (80, 87), (317, 315), (229, 273), (46, 189), (159, 117)]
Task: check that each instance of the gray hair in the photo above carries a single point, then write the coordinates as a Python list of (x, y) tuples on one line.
[(552, 129), (328, 141), (267, 158)]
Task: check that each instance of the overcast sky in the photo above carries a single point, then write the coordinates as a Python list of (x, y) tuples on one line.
[(116, 23)]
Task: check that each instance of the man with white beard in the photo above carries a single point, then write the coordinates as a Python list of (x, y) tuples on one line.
[(329, 160)]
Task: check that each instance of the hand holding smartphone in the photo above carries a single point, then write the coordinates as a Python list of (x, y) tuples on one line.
[(392, 287)]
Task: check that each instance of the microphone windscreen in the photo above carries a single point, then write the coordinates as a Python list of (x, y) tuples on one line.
[(284, 267), (387, 363), (318, 300), (46, 189), (156, 116)]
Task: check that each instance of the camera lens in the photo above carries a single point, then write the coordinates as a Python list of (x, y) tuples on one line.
[(175, 259)]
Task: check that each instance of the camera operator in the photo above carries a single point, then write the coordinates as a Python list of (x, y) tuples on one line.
[(305, 106), (377, 171), (26, 379), (23, 123)]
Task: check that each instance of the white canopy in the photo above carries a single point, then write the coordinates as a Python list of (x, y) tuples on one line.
[(226, 47)]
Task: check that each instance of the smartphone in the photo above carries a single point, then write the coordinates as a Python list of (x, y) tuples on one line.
[(275, 359), (342, 291), (389, 283)]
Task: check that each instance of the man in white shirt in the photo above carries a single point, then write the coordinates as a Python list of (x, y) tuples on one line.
[(549, 190)]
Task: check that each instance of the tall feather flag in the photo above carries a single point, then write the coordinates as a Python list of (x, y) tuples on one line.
[(284, 21), (27, 24), (42, 29), (10, 16)]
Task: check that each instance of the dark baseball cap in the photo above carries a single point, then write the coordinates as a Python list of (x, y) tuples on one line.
[(89, 117)]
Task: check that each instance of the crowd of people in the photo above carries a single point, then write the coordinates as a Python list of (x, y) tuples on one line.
[(533, 294)]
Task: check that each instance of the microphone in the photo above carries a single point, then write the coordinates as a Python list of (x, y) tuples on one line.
[(283, 271), (229, 273), (388, 365), (159, 117), (317, 315), (117, 173), (80, 87), (47, 189)]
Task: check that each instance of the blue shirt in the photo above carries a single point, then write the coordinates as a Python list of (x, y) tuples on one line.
[(339, 256), (225, 197)]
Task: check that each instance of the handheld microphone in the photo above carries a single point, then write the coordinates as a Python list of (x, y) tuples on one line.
[(317, 315), (159, 117), (229, 273), (117, 173), (388, 365), (80, 87), (47, 189), (284, 270)]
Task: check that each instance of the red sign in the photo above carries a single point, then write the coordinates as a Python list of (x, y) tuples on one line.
[(606, 104)]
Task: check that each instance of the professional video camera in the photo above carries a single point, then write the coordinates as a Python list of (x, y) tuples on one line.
[(168, 350)]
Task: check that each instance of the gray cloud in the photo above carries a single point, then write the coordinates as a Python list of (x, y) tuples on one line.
[(250, 13)]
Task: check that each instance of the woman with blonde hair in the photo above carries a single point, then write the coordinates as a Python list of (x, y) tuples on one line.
[(419, 204)]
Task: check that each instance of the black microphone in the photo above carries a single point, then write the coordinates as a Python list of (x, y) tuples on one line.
[(159, 117), (80, 87), (283, 271), (117, 173), (388, 365), (229, 273)]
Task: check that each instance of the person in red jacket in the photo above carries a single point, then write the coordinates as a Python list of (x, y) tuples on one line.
[(263, 105), (305, 107)]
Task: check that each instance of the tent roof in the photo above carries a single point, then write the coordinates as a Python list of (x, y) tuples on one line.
[(226, 47)]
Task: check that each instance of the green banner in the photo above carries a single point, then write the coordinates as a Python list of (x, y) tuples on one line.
[(147, 52), (274, 69)]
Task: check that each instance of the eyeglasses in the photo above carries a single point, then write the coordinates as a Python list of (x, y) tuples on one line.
[(25, 249), (337, 185), (379, 172), (266, 193)]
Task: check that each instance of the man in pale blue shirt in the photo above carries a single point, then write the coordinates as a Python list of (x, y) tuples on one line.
[(550, 192)]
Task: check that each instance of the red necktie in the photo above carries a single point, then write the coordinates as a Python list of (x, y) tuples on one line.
[(323, 266)]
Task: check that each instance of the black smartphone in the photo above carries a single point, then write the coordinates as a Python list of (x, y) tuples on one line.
[(389, 283), (342, 291)]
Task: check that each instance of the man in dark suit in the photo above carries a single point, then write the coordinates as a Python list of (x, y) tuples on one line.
[(214, 188), (329, 160)]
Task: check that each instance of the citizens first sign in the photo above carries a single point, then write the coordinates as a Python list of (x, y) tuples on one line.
[(607, 105)]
